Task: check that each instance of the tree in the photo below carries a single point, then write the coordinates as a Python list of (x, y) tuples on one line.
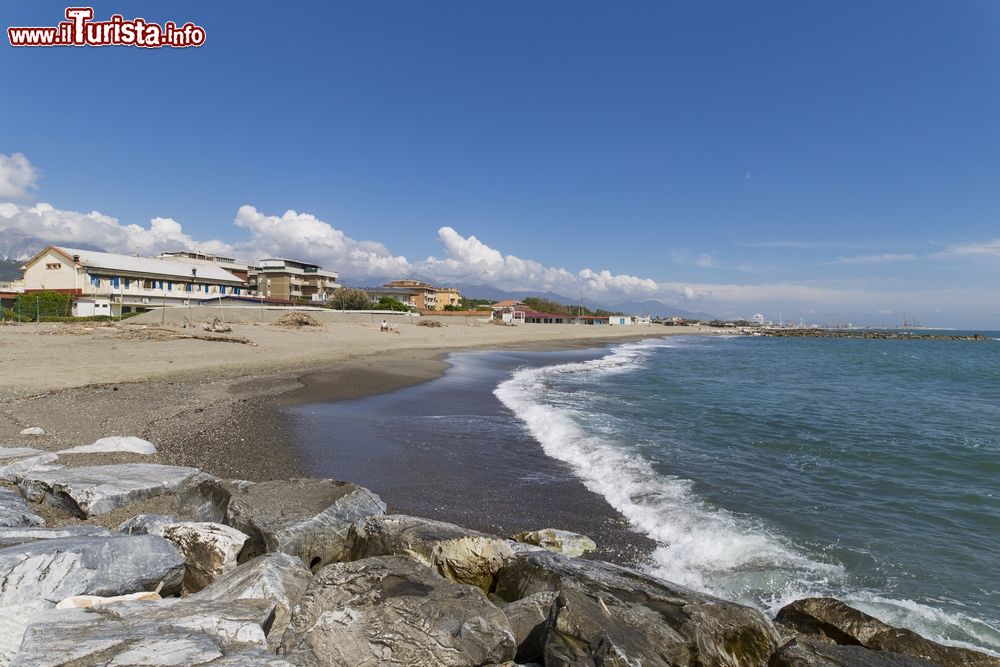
[(350, 298), (388, 303)]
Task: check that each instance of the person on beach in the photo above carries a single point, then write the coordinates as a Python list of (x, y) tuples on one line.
[(385, 326)]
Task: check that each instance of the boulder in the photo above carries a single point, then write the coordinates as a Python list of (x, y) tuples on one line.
[(11, 536), (14, 512), (98, 489), (114, 444), (148, 524), (54, 569), (19, 452), (459, 554), (308, 518), (33, 430), (804, 652), (558, 541), (168, 632), (209, 549), (611, 615), (830, 619), (277, 577), (530, 619), (12, 472), (393, 610), (206, 498)]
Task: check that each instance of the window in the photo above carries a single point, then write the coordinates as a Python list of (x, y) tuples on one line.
[(128, 283), (95, 281), (115, 282), (54, 266)]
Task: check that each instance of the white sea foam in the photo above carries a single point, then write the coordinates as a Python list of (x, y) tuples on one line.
[(703, 547)]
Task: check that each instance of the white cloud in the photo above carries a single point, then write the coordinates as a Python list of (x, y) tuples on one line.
[(985, 248), (17, 176), (876, 259), (704, 261)]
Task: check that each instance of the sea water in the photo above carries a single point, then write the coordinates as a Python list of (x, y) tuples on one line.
[(768, 470)]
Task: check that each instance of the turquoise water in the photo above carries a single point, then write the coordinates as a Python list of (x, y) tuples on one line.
[(773, 469)]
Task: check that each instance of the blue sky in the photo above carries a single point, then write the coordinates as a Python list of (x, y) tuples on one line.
[(839, 160)]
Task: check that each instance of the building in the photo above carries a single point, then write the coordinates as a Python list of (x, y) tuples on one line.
[(427, 296), (292, 280), (9, 291), (405, 295), (238, 269), (108, 284)]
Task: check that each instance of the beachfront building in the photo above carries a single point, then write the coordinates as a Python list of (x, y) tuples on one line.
[(405, 295), (108, 284), (9, 291), (292, 280), (427, 296), (237, 268)]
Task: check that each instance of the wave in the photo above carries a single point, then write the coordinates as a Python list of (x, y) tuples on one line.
[(706, 548)]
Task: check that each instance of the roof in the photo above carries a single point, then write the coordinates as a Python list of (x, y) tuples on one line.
[(148, 265), (391, 290), (506, 303)]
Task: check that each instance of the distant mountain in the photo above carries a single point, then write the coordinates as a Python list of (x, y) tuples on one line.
[(20, 246), (656, 308), (10, 269)]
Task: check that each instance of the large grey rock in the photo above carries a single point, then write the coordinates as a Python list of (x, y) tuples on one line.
[(530, 619), (51, 570), (610, 615), (14, 512), (277, 577), (19, 452), (98, 489), (804, 652), (167, 632), (308, 518), (209, 549), (827, 618), (459, 554), (206, 498), (558, 541), (12, 472), (148, 524), (11, 536), (393, 610)]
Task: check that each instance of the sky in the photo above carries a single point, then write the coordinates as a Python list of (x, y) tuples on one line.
[(824, 160)]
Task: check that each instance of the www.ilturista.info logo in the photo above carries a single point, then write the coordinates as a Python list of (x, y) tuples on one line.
[(81, 30)]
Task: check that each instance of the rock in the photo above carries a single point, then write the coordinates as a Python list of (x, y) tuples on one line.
[(558, 541), (98, 489), (394, 610), (14, 512), (206, 498), (14, 620), (148, 524), (87, 601), (827, 618), (209, 549), (55, 569), (169, 632), (611, 615), (530, 619), (308, 518), (12, 472), (804, 652), (277, 577), (126, 444), (11, 536), (459, 554), (33, 430), (19, 452)]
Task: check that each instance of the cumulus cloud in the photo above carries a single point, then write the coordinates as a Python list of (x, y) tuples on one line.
[(17, 176)]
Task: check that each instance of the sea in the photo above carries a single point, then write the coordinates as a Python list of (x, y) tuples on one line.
[(763, 470)]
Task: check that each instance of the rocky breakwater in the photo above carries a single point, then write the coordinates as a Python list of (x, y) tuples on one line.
[(312, 572), (860, 333)]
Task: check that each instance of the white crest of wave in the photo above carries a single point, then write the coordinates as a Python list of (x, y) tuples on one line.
[(699, 546)]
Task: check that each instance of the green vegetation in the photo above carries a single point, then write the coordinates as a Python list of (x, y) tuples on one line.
[(43, 304), (388, 303), (549, 306), (350, 298)]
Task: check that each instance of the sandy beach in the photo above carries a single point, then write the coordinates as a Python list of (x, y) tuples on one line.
[(213, 404)]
